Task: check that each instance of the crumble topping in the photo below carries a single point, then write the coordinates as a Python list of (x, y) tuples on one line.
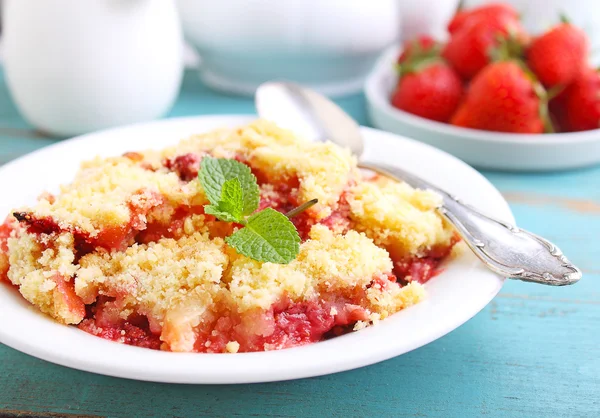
[(104, 191), (43, 268), (126, 252), (399, 218), (232, 347), (327, 263), (320, 170)]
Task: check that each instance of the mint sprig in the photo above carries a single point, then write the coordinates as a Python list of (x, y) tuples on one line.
[(230, 206), (234, 195), (268, 236), (214, 172)]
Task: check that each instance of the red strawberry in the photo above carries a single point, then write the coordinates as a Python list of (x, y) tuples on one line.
[(502, 97), (422, 46), (470, 47), (557, 106), (430, 89), (582, 102), (559, 55), (490, 11)]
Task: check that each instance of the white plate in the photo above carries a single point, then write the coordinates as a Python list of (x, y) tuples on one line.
[(454, 296), (491, 150)]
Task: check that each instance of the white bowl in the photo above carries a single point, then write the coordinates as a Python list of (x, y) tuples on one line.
[(327, 45), (459, 292), (483, 149)]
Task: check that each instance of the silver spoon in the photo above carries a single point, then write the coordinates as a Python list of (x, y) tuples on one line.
[(506, 249)]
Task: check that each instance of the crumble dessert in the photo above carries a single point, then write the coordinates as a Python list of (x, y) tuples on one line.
[(126, 251)]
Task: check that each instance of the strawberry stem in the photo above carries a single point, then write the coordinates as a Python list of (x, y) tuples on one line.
[(418, 58), (543, 96), (545, 116), (508, 47), (554, 91), (399, 69)]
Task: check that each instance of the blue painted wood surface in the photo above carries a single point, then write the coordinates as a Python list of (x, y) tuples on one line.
[(533, 352)]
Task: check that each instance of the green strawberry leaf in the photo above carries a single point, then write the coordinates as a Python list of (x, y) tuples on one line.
[(268, 236), (213, 174)]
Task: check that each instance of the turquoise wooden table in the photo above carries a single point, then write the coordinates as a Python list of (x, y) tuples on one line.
[(534, 351)]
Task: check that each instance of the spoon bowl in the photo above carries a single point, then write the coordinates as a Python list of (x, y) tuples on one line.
[(308, 113)]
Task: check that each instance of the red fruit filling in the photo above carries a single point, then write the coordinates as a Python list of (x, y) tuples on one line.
[(186, 166), (422, 269), (284, 198), (5, 230), (103, 319), (135, 331), (286, 324), (117, 237), (66, 289)]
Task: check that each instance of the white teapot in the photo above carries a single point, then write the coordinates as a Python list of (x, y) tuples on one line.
[(77, 66), (329, 45)]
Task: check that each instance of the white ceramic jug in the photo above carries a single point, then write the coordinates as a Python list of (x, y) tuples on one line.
[(77, 66)]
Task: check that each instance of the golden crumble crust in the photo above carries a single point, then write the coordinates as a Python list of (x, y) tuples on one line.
[(41, 269), (323, 170), (105, 191), (172, 282), (167, 262), (327, 262), (398, 217)]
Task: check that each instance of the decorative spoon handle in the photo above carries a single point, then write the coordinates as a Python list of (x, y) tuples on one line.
[(504, 248)]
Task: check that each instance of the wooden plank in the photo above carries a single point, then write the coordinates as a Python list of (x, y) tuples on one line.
[(533, 352), (579, 184), (12, 147), (516, 358), (7, 413)]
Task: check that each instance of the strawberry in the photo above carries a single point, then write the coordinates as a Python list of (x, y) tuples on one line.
[(422, 46), (559, 55), (470, 48), (489, 11), (503, 97), (582, 102), (430, 89), (557, 106)]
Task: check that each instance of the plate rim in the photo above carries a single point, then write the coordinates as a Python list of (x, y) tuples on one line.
[(162, 374)]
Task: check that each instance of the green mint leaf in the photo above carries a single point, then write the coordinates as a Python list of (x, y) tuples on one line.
[(229, 207), (268, 236), (232, 198), (219, 213), (213, 174)]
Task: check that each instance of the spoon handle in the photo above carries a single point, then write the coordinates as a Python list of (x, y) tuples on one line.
[(506, 249)]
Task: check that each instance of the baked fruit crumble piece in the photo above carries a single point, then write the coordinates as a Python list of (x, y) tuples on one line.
[(127, 252)]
